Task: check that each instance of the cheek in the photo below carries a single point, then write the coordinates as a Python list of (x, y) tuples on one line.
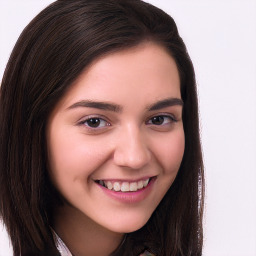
[(170, 152), (72, 157), (72, 162)]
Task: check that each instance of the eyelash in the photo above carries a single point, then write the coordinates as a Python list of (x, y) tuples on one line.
[(163, 117), (171, 118), (94, 118)]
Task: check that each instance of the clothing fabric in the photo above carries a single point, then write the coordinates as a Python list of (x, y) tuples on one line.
[(64, 251), (62, 248)]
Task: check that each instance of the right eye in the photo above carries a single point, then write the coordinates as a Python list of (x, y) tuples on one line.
[(95, 122)]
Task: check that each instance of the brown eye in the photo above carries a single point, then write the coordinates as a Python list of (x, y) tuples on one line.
[(157, 120), (95, 122), (161, 120)]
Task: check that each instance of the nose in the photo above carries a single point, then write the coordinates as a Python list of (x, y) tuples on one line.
[(131, 149)]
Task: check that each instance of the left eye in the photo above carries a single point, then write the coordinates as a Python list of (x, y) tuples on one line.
[(95, 122), (161, 120)]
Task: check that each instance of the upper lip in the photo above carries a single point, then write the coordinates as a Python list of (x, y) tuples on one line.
[(126, 180)]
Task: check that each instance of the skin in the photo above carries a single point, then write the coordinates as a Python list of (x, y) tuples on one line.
[(127, 145)]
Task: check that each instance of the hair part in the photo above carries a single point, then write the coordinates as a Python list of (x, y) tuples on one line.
[(52, 51)]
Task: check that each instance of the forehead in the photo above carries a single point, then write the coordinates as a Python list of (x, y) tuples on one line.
[(146, 70)]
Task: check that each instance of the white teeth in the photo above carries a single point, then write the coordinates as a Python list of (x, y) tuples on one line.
[(124, 186), (109, 185), (145, 182), (117, 186), (140, 184), (133, 186)]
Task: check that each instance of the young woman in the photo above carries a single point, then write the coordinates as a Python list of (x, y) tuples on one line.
[(100, 151)]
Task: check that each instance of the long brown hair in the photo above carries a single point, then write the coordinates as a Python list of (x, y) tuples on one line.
[(58, 44)]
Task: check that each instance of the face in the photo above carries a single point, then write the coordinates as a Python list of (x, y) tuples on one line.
[(116, 139)]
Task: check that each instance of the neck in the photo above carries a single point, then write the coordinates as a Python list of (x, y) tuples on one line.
[(82, 235)]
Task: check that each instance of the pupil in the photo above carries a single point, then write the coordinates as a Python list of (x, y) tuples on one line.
[(93, 122), (158, 120)]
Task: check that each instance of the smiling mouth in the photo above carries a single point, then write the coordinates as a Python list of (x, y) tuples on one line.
[(124, 186)]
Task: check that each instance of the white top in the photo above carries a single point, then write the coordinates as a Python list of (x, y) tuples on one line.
[(62, 248)]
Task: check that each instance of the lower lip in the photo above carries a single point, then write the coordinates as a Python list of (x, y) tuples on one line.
[(129, 197)]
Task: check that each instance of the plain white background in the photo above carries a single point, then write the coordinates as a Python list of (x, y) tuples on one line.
[(221, 39)]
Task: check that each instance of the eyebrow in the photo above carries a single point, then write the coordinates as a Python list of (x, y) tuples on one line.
[(97, 104), (165, 103), (117, 108)]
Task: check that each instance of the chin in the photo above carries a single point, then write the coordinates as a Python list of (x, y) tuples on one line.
[(129, 225)]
